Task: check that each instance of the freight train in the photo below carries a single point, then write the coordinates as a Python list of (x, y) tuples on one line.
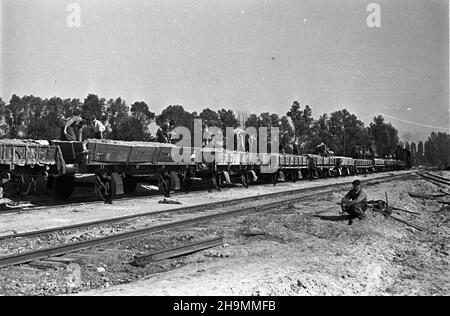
[(118, 166)]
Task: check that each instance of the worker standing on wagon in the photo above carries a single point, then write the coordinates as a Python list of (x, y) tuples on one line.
[(152, 130), (163, 133), (296, 146), (75, 122), (99, 128), (355, 202)]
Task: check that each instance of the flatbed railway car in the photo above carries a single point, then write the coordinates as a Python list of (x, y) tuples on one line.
[(295, 167), (320, 167), (344, 166), (22, 161), (363, 166), (379, 164), (118, 166)]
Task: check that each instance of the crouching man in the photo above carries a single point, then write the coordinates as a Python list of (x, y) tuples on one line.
[(355, 202)]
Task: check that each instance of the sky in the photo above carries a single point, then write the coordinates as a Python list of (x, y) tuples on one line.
[(247, 55)]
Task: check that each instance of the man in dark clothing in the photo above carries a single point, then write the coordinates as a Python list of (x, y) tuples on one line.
[(355, 202), (296, 146), (162, 134), (323, 150)]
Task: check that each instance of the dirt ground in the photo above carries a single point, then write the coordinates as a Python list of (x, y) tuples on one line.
[(305, 248)]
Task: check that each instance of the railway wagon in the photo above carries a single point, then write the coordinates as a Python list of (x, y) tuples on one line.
[(390, 164), (295, 167), (321, 166), (22, 161), (344, 165), (119, 165), (231, 165), (379, 164), (363, 166)]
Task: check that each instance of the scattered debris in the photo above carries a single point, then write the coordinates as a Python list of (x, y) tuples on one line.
[(42, 264), (426, 196), (382, 207), (141, 261), (167, 201)]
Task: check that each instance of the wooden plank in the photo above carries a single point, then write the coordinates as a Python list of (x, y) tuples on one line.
[(178, 251), (426, 196), (65, 260), (42, 264)]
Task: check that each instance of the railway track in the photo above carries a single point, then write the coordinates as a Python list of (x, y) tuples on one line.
[(85, 201), (436, 178), (193, 208), (221, 209)]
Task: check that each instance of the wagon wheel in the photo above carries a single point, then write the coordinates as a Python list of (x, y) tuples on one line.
[(164, 185), (187, 181), (103, 188), (219, 178), (62, 186), (25, 185), (100, 190), (295, 176), (129, 184), (274, 177), (244, 180), (216, 181)]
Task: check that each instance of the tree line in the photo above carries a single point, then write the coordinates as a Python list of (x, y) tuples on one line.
[(31, 117)]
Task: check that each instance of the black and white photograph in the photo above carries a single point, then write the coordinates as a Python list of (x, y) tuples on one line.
[(224, 154)]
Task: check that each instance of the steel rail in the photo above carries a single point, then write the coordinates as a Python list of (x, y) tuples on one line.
[(193, 208), (436, 178), (82, 245), (51, 204), (435, 181)]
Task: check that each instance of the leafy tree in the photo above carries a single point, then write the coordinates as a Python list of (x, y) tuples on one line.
[(227, 119), (36, 118), (413, 153), (56, 116), (118, 114), (178, 115), (132, 129), (286, 133), (141, 111), (322, 133), (407, 146), (15, 117), (341, 131), (420, 152), (3, 128), (72, 107), (93, 106), (384, 135), (353, 132), (302, 120), (210, 117), (437, 149), (253, 121)]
